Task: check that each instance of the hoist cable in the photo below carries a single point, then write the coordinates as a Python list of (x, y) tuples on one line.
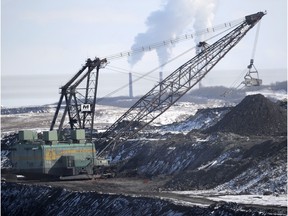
[(169, 61), (256, 40), (139, 78), (244, 71), (172, 41), (125, 71)]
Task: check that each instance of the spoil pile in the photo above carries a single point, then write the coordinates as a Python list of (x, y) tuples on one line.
[(254, 115)]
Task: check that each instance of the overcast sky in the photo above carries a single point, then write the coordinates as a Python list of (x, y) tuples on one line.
[(45, 42)]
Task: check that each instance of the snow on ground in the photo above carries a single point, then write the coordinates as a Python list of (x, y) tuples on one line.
[(104, 117), (214, 195), (41, 117), (265, 200), (220, 160), (256, 181), (33, 121), (201, 120), (176, 113), (179, 112), (108, 114), (182, 110)]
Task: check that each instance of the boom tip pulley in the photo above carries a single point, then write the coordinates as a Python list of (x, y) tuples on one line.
[(254, 18)]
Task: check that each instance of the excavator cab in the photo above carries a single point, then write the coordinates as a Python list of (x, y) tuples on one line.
[(252, 76)]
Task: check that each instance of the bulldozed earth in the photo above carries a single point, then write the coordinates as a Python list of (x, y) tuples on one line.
[(186, 168)]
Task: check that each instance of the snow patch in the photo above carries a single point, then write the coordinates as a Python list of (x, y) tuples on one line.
[(263, 200)]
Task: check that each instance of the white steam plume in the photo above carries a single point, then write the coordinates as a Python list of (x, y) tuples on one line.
[(170, 22)]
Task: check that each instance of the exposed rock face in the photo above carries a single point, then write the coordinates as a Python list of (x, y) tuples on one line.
[(255, 115)]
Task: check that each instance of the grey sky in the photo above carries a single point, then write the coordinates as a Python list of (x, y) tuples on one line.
[(45, 42)]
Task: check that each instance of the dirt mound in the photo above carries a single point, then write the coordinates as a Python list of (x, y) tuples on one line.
[(254, 115), (250, 167)]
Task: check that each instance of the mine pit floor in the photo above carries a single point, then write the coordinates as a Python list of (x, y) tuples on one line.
[(143, 187)]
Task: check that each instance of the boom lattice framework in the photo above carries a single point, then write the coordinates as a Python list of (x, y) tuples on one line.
[(171, 89)]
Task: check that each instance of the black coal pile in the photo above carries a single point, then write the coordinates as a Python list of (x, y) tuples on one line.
[(254, 115)]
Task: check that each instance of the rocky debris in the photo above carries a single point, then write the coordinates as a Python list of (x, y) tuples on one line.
[(19, 199), (253, 168), (5, 162), (6, 142), (175, 156), (254, 115), (268, 173), (199, 161)]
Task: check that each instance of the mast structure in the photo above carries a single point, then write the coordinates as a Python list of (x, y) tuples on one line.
[(79, 96)]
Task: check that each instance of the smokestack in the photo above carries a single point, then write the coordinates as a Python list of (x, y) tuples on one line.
[(160, 76), (130, 85)]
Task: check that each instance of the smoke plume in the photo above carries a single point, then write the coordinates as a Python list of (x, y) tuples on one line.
[(170, 22)]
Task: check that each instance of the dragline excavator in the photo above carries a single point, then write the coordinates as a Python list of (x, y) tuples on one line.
[(69, 152)]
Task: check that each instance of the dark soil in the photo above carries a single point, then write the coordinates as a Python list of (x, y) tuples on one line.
[(255, 115), (238, 162)]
